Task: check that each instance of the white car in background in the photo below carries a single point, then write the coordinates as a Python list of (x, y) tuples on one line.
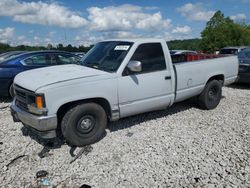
[(177, 52), (233, 50)]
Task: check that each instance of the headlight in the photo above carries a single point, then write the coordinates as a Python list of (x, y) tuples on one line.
[(36, 104)]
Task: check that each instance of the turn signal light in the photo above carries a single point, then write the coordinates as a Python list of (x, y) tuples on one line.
[(39, 102)]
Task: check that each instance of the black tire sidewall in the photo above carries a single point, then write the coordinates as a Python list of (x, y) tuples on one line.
[(212, 104), (70, 121), (204, 102)]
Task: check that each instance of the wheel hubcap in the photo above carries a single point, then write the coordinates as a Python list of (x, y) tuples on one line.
[(213, 93), (86, 124)]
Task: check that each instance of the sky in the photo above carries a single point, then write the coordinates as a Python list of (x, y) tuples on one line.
[(84, 22)]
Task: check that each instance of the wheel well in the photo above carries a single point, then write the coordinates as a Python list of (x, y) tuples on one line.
[(219, 77), (65, 107)]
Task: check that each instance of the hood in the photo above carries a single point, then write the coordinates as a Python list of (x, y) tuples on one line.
[(37, 78)]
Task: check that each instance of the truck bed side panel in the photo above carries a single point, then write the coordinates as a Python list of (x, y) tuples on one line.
[(193, 76)]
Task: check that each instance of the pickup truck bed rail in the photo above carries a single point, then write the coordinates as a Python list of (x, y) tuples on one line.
[(178, 58)]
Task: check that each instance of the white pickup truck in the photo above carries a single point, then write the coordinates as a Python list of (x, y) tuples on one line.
[(115, 79)]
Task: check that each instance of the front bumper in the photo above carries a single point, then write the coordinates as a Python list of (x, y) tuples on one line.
[(45, 126)]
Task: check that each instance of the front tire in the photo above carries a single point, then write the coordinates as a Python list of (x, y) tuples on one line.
[(84, 124), (211, 95)]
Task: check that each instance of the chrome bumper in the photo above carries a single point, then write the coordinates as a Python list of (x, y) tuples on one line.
[(39, 123)]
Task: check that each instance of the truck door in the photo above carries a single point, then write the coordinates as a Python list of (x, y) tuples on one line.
[(149, 89)]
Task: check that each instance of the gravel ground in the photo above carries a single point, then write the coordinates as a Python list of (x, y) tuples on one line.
[(182, 146)]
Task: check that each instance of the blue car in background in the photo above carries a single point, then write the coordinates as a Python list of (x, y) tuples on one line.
[(10, 67), (7, 55)]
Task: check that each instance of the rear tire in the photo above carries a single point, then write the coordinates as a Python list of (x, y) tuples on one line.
[(84, 124), (211, 95)]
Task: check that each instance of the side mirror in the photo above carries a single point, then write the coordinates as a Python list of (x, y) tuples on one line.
[(134, 66)]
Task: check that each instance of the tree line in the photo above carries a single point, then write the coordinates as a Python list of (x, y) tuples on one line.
[(68, 48), (220, 31)]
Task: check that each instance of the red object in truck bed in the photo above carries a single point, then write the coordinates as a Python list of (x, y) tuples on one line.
[(193, 57)]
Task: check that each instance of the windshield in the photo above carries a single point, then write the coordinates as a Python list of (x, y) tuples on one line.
[(245, 54), (107, 56)]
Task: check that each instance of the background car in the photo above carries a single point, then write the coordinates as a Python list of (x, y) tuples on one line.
[(11, 54), (181, 55), (244, 66), (80, 54), (30, 60), (176, 52), (233, 50)]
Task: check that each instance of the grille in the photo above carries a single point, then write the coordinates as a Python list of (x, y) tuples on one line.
[(21, 95)]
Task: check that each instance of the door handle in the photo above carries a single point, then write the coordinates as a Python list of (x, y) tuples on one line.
[(167, 77)]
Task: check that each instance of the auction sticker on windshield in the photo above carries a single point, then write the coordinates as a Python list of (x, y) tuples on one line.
[(122, 47)]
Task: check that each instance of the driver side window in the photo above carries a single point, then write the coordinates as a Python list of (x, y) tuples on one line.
[(151, 57)]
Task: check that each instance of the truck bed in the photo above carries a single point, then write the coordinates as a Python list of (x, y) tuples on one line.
[(191, 77)]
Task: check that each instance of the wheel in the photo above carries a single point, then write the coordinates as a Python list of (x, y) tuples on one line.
[(11, 91), (211, 95), (84, 124)]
